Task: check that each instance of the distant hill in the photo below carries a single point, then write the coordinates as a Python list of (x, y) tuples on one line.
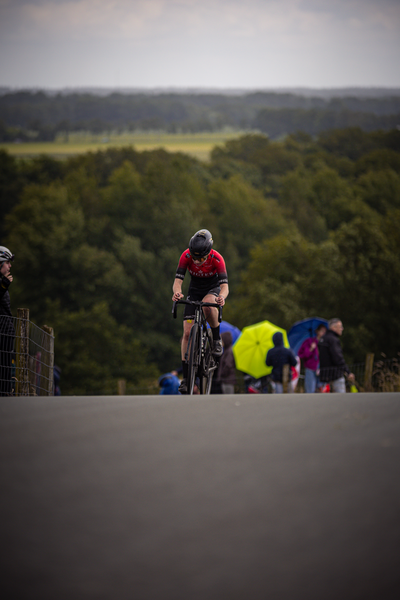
[(41, 114), (326, 93)]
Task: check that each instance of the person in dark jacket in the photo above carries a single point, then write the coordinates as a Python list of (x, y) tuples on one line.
[(7, 331), (333, 367), (277, 357), (227, 366)]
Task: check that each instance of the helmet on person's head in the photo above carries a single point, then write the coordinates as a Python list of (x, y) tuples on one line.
[(201, 243), (5, 255)]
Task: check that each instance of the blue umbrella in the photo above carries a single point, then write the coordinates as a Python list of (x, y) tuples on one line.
[(225, 326), (302, 330)]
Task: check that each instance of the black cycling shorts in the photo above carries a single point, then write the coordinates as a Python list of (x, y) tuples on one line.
[(196, 294)]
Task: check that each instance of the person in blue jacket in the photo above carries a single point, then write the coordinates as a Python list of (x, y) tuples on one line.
[(169, 383), (277, 357)]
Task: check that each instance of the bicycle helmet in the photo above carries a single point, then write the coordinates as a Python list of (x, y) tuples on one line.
[(201, 243), (5, 255)]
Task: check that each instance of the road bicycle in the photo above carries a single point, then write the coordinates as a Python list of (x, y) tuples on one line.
[(201, 362)]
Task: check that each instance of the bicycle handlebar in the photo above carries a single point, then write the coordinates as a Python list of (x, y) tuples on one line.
[(197, 303)]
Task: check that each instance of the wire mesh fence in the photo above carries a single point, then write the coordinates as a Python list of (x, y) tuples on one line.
[(377, 375), (26, 357), (386, 375)]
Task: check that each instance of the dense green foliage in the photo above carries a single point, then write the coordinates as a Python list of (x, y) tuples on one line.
[(307, 227), (26, 115)]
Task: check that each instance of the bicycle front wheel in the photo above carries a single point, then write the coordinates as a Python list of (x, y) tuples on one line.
[(208, 365), (194, 357)]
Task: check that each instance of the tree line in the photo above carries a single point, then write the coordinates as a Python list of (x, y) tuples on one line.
[(36, 115), (307, 227)]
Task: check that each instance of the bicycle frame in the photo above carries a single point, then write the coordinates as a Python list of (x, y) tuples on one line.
[(201, 362)]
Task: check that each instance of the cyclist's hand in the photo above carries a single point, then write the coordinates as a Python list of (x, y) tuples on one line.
[(220, 300), (177, 296), (6, 279)]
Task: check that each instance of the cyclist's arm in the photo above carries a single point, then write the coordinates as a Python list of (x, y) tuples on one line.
[(222, 278), (223, 294), (177, 289), (180, 276)]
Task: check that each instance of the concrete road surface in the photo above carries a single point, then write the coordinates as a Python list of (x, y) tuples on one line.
[(256, 497)]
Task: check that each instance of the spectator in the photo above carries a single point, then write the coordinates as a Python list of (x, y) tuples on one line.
[(169, 383), (7, 331), (216, 384), (331, 359), (227, 368), (309, 354), (277, 357)]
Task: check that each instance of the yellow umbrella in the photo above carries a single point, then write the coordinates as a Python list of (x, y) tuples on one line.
[(250, 350)]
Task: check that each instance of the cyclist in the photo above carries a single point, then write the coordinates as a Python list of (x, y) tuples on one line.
[(208, 283)]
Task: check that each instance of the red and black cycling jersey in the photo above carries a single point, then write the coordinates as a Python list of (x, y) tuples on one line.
[(209, 274)]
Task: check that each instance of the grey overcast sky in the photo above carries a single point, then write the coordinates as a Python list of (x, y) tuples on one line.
[(250, 44)]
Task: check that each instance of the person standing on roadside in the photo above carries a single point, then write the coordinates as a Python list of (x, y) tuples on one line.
[(332, 364), (169, 383), (309, 354), (7, 331), (277, 358), (227, 367)]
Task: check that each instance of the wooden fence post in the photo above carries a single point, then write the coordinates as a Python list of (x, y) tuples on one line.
[(121, 387), (369, 366), (48, 360), (22, 353), (285, 378)]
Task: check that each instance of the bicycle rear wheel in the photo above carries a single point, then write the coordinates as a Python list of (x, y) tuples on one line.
[(194, 357), (208, 365)]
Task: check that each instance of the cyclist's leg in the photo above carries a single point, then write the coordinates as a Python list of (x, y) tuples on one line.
[(187, 326), (188, 318), (211, 315)]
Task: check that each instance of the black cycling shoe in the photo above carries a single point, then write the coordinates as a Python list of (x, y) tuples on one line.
[(217, 348), (183, 387)]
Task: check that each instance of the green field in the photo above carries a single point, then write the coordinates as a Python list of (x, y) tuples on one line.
[(198, 145)]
